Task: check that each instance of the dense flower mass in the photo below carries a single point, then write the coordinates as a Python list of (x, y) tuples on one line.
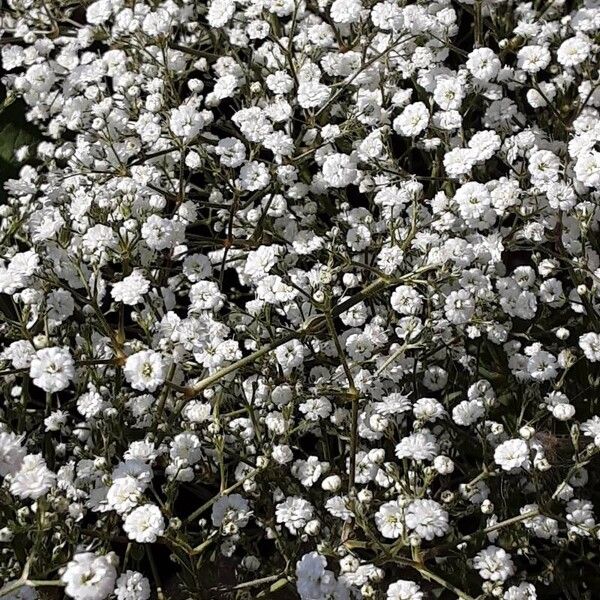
[(301, 297)]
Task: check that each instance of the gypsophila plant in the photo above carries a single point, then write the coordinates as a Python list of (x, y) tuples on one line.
[(301, 299)]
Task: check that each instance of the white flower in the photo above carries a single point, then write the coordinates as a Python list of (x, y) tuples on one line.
[(563, 411), (294, 513), (544, 166), (580, 516), (282, 453), (443, 465), (591, 428), (590, 344), (144, 524), (346, 11), (124, 494), (512, 454), (160, 233), (309, 471), (20, 353), (494, 564), (52, 369), (132, 585), (406, 300), (12, 453), (231, 513), (574, 51), (459, 307), (421, 445), (231, 152), (404, 590), (145, 370), (468, 412), (254, 176), (33, 479), (412, 120), (449, 93), (309, 572), (314, 581), (131, 289), (459, 161), (483, 64), (205, 295), (332, 483), (428, 409), (339, 170), (219, 12), (427, 519), (90, 576), (253, 123), (523, 591), (186, 122), (280, 82), (473, 200), (185, 449), (312, 94), (390, 519), (587, 168), (533, 58), (485, 144), (91, 403), (98, 12), (290, 355)]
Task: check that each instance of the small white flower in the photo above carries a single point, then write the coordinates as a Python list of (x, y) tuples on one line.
[(131, 289), (483, 64), (52, 369), (574, 51), (144, 524), (533, 58), (132, 585), (12, 452), (590, 344), (90, 576), (124, 494), (231, 513), (186, 122), (312, 94), (145, 370), (404, 590), (390, 519), (33, 479), (290, 355), (494, 564), (346, 11), (427, 519), (294, 513), (412, 120), (512, 454)]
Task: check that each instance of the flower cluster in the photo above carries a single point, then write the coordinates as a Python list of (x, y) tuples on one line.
[(303, 291)]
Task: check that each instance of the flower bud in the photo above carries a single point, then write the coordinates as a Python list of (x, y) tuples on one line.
[(332, 483), (365, 496), (443, 465), (377, 455), (312, 527), (526, 432)]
